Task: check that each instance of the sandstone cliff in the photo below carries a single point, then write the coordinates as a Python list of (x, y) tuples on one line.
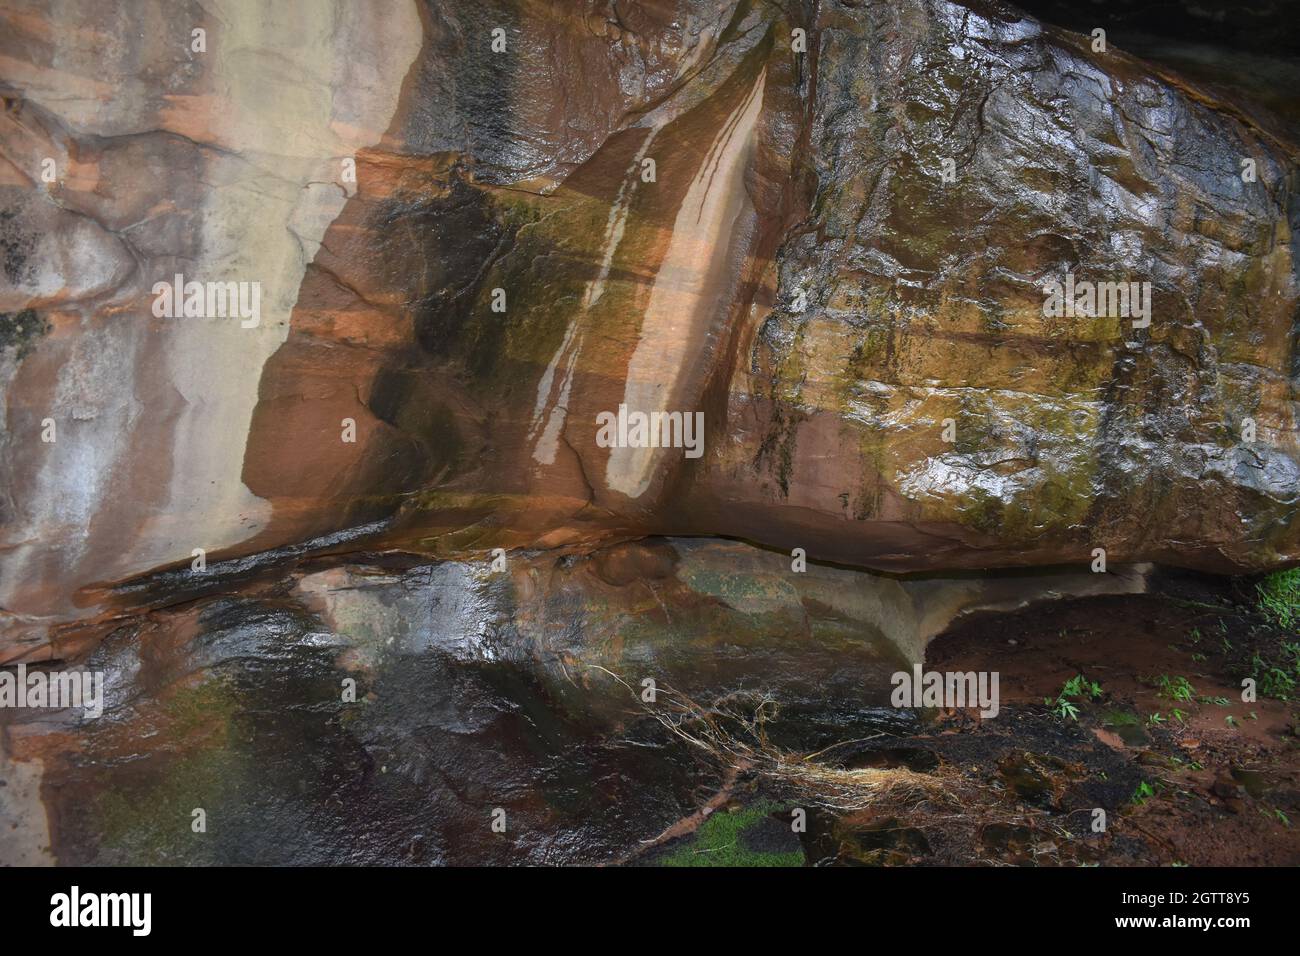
[(825, 229)]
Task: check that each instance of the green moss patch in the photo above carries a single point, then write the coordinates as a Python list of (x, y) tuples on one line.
[(20, 331), (746, 836)]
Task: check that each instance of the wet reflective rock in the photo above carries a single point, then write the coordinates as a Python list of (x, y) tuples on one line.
[(832, 258), (384, 714), (383, 573)]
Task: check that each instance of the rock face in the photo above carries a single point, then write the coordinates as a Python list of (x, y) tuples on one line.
[(472, 689), (165, 160), (825, 232)]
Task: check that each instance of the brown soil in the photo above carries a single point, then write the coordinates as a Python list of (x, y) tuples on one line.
[(1223, 775)]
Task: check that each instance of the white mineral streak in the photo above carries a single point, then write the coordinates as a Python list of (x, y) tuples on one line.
[(681, 303), (571, 345)]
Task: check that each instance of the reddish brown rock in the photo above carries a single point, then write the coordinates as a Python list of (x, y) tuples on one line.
[(799, 270)]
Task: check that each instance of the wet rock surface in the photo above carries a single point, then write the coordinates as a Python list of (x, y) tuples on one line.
[(802, 268), (816, 233), (385, 714)]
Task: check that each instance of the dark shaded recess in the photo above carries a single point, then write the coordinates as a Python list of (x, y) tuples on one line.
[(1270, 27), (452, 240), (1246, 53), (406, 399), (451, 252), (485, 338)]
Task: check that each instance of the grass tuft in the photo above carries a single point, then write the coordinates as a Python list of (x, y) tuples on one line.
[(1279, 598)]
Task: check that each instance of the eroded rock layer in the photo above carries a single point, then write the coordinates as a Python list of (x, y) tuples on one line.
[(336, 712), (825, 230)]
